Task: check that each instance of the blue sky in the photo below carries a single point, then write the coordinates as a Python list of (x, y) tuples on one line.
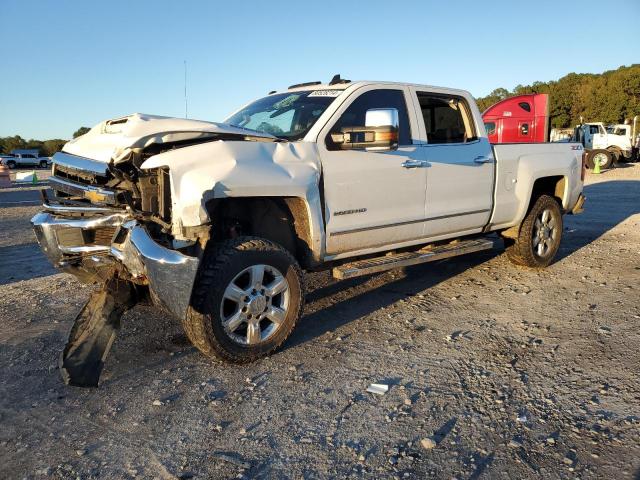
[(71, 63)]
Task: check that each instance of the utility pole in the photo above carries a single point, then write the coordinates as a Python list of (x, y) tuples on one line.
[(186, 110)]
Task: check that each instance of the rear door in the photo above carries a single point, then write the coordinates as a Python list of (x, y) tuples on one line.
[(460, 164)]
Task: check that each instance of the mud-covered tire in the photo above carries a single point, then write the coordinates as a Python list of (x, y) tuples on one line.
[(525, 248), (220, 267), (605, 157)]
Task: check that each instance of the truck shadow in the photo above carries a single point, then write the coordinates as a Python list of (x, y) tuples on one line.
[(363, 298), (608, 204)]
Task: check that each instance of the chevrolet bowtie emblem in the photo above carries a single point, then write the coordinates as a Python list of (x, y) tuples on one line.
[(95, 197)]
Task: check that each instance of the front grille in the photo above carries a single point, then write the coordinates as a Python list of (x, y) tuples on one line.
[(103, 235), (79, 176), (78, 237), (92, 193)]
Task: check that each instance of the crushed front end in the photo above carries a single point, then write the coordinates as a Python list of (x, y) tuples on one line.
[(112, 226)]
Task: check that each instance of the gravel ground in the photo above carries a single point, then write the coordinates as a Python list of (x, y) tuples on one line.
[(494, 371)]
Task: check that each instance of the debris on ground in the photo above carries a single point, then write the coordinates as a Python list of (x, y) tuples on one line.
[(378, 388)]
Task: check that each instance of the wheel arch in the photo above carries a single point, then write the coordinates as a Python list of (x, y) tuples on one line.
[(555, 186), (283, 220), (616, 151)]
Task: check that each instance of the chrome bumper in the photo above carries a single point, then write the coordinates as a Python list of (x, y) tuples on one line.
[(63, 235)]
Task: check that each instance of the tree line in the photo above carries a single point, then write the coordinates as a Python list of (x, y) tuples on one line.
[(609, 97), (46, 147)]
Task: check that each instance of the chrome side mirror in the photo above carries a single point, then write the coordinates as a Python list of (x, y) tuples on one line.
[(381, 117), (379, 133)]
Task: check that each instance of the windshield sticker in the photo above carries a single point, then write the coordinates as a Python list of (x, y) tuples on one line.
[(325, 93), (286, 102)]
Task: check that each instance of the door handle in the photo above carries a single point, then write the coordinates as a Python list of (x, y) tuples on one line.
[(414, 163), (483, 159)]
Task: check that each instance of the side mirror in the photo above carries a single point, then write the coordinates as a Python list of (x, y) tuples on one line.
[(379, 133)]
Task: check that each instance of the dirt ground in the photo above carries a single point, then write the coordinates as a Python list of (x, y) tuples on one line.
[(506, 372)]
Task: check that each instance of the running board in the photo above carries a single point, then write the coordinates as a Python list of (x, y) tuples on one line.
[(400, 260)]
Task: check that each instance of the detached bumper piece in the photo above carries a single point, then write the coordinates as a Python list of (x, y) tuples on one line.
[(93, 333), (109, 247)]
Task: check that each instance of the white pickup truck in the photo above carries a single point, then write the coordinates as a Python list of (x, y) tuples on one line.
[(217, 221), (18, 160)]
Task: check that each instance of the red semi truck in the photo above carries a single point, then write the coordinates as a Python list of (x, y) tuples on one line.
[(521, 119)]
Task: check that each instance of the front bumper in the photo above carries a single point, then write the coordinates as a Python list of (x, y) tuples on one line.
[(76, 240)]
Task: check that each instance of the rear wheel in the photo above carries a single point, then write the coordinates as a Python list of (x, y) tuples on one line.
[(11, 164), (43, 164), (246, 301), (539, 236), (603, 157)]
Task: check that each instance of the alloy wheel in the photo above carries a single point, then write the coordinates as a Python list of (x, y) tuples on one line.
[(255, 304), (545, 233)]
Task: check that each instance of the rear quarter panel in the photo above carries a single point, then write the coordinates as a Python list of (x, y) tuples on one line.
[(520, 165)]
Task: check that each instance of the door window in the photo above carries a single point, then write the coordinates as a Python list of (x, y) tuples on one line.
[(355, 115), (447, 119)]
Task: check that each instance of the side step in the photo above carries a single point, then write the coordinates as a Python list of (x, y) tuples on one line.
[(400, 260)]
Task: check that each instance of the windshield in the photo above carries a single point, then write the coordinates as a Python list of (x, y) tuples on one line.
[(286, 115)]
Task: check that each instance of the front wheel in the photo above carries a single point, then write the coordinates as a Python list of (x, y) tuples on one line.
[(11, 164), (540, 234), (43, 164), (247, 299)]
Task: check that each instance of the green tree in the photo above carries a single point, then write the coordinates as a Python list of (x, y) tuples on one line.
[(49, 147), (11, 143), (494, 97), (80, 131)]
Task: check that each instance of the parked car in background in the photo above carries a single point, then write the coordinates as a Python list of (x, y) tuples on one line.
[(25, 160)]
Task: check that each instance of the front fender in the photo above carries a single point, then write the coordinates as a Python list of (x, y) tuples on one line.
[(224, 169)]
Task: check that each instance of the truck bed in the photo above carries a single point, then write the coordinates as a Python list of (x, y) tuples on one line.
[(518, 163)]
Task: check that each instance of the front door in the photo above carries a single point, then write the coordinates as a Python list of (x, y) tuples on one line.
[(460, 165), (372, 198)]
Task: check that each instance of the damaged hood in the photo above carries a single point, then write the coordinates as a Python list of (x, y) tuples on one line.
[(113, 140)]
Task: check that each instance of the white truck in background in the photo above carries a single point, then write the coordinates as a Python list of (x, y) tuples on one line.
[(605, 144), (216, 222), (25, 158)]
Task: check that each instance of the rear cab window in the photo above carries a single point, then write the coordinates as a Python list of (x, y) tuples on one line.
[(447, 118)]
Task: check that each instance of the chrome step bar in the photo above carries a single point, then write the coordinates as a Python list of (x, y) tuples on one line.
[(400, 260)]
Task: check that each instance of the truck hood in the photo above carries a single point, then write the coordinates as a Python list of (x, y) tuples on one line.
[(113, 140)]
